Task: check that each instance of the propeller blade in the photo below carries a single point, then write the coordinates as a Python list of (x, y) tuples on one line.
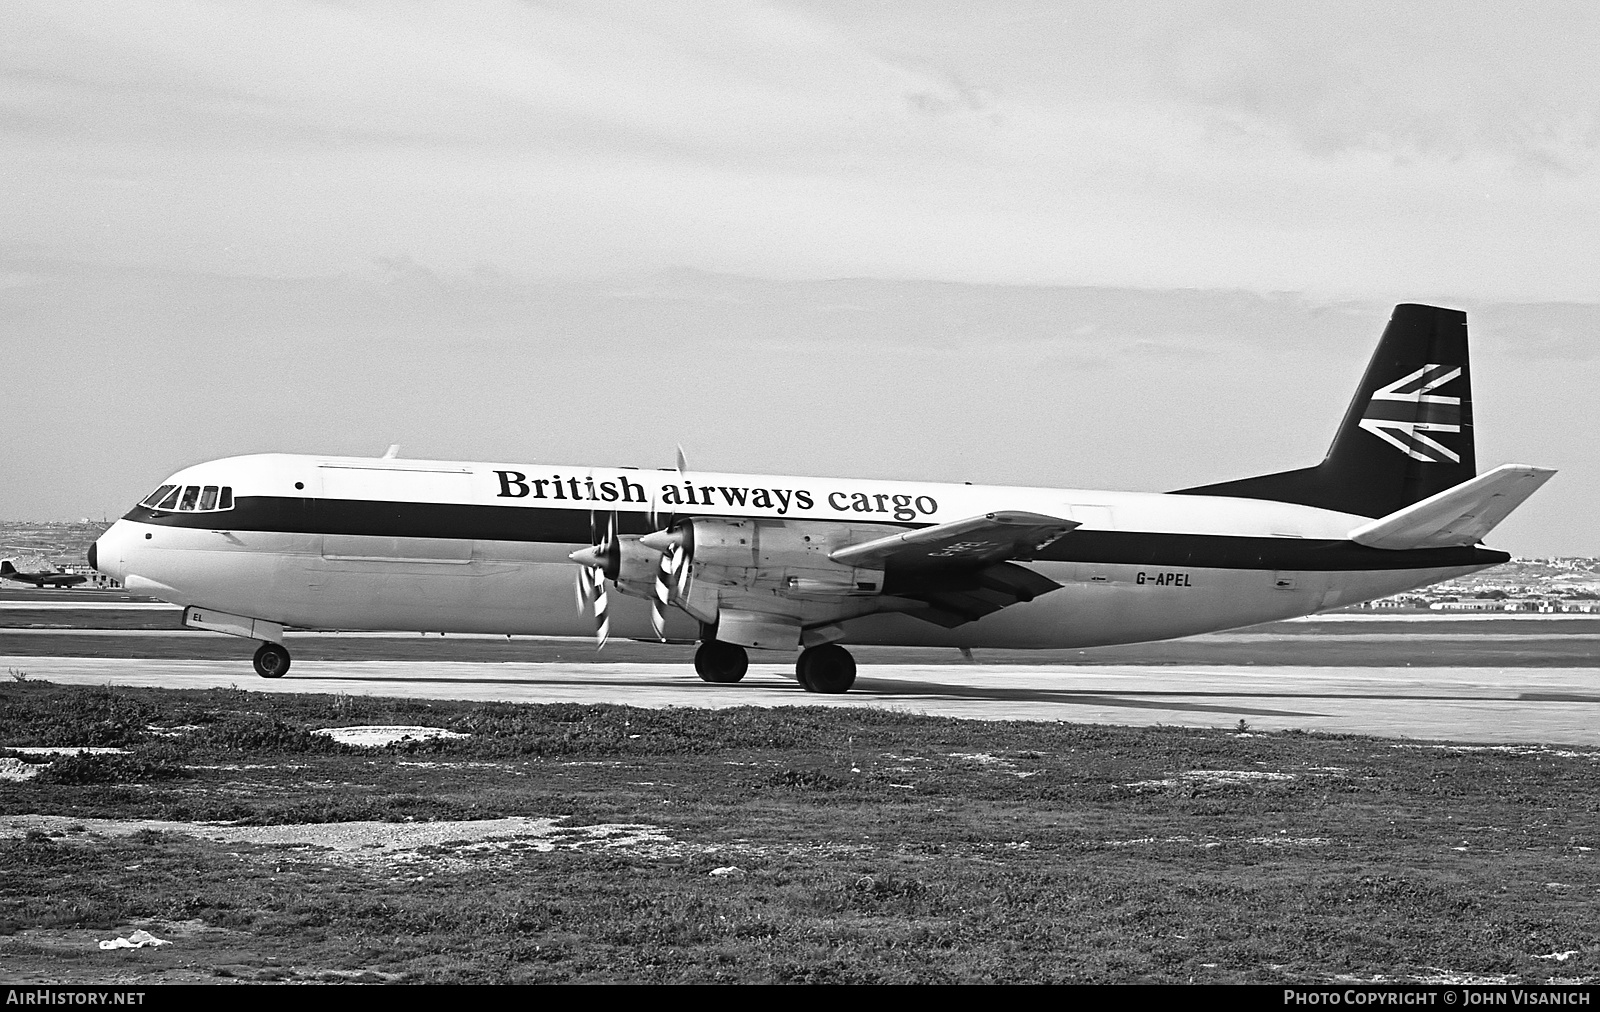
[(580, 587), (663, 595), (602, 618), (680, 569), (590, 584)]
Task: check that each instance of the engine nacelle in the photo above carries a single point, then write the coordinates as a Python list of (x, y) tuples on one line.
[(790, 558), (632, 566), (731, 543)]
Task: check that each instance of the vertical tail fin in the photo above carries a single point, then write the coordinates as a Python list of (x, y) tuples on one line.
[(1407, 434)]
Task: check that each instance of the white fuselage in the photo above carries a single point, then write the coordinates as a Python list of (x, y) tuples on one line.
[(443, 546)]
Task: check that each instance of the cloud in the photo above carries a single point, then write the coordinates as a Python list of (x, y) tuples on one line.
[(1561, 331), (1153, 146), (1447, 81)]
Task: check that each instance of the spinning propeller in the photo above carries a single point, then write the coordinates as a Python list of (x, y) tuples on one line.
[(672, 576), (604, 559), (591, 580), (673, 573)]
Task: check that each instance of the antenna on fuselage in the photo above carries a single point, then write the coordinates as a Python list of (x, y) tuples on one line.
[(392, 452)]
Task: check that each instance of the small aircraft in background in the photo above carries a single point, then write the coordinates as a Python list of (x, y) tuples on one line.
[(40, 578)]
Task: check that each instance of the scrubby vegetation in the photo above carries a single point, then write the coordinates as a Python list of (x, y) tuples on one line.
[(791, 844), (80, 768)]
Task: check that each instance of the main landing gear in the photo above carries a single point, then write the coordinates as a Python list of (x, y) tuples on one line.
[(828, 668), (721, 662), (272, 660)]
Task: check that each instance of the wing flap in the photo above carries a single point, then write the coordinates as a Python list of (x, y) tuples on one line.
[(977, 541), (1463, 515), (955, 597)]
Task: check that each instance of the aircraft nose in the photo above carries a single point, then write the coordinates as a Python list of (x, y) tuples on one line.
[(105, 555)]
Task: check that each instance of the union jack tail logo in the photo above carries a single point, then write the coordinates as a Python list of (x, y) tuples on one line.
[(1404, 412)]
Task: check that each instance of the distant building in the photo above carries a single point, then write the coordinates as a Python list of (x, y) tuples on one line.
[(1396, 602), (1544, 606)]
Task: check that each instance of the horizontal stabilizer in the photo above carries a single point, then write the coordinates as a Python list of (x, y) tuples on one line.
[(1462, 515), (978, 541)]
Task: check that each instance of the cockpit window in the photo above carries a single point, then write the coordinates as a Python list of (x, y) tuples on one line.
[(190, 498)]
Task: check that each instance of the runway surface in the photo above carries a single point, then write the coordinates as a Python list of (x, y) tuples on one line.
[(1489, 705)]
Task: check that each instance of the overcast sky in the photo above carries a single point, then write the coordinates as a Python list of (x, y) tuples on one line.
[(1112, 245)]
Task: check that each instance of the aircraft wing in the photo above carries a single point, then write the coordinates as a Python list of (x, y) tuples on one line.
[(955, 597), (1463, 515), (962, 544), (962, 571)]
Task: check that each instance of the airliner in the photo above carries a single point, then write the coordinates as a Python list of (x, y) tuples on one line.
[(251, 545)]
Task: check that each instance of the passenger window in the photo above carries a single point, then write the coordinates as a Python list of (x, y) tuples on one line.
[(208, 497), (171, 501), (156, 496), (226, 501), (190, 494)]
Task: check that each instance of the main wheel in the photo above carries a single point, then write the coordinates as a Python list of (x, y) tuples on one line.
[(721, 662), (828, 669), (271, 661)]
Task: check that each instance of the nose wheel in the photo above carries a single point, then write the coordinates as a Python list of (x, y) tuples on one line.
[(828, 669), (721, 662), (272, 660)]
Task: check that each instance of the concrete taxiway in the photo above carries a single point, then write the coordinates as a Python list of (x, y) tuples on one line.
[(1480, 704)]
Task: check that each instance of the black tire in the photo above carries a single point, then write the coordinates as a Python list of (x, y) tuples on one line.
[(719, 662), (827, 669), (271, 661)]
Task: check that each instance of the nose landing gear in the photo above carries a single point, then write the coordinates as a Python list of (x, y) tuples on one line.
[(721, 662), (828, 668), (271, 660)]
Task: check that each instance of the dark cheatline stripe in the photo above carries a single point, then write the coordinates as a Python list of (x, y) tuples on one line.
[(402, 520), (571, 526), (1212, 551)]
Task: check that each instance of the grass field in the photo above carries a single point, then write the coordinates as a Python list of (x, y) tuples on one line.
[(774, 845)]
